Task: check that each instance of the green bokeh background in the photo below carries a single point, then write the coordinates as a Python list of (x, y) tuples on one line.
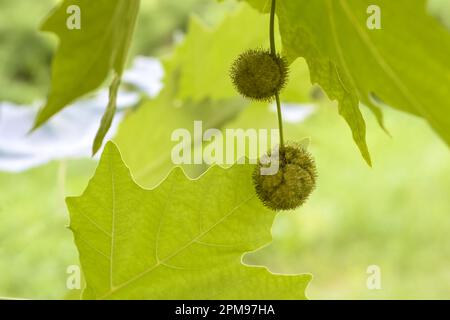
[(395, 215)]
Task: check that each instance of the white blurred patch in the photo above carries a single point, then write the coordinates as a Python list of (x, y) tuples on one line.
[(146, 74), (294, 113), (70, 133)]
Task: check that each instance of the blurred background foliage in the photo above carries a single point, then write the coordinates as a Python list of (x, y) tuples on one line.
[(395, 215), (25, 54)]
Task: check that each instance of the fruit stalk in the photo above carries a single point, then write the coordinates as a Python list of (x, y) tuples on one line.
[(273, 51)]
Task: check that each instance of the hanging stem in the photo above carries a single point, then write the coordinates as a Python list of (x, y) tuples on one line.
[(280, 121), (273, 51)]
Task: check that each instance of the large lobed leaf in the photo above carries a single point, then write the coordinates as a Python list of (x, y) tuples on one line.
[(406, 65), (182, 240), (197, 87)]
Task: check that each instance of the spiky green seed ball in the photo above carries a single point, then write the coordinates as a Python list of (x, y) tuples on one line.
[(291, 186), (259, 75)]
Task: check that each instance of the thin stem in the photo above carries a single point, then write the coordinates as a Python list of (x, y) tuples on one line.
[(273, 51), (280, 121)]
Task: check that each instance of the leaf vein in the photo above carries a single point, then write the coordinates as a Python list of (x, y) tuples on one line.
[(202, 234)]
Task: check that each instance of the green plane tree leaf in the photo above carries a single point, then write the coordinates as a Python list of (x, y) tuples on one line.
[(404, 65), (87, 56), (182, 240)]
